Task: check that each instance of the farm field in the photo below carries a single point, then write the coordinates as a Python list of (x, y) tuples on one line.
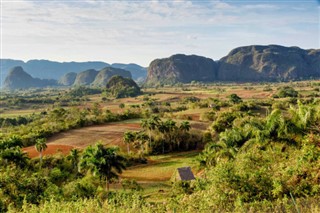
[(220, 131)]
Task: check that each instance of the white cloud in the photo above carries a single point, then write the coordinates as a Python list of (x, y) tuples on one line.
[(138, 31)]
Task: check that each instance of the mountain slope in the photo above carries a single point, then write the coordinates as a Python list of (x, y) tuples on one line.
[(181, 68), (137, 72), (19, 79), (243, 64), (105, 74), (85, 77), (68, 79), (269, 63), (55, 70)]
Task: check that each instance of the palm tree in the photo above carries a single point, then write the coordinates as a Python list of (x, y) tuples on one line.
[(104, 162), (14, 155), (41, 146), (184, 128), (215, 152), (74, 157), (140, 139), (13, 141), (171, 127), (303, 117), (128, 138), (162, 128), (150, 125)]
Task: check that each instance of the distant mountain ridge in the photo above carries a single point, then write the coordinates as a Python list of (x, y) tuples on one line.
[(46, 69), (17, 78), (253, 63), (243, 64)]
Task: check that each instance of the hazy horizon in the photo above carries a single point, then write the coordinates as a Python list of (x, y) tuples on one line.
[(140, 31)]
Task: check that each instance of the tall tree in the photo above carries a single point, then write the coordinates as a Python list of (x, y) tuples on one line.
[(171, 128), (41, 146), (128, 138), (184, 128), (104, 162), (150, 125), (162, 128), (140, 139)]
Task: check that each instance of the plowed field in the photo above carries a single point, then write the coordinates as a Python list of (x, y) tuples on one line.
[(109, 134)]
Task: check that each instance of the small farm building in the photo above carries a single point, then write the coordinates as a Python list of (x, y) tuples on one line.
[(183, 174)]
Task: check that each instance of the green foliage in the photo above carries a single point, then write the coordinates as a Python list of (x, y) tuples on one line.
[(130, 184), (80, 188), (104, 162), (285, 92), (251, 162), (182, 187), (83, 91), (264, 159), (224, 121), (120, 87), (234, 98)]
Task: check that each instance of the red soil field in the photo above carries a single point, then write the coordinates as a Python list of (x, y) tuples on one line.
[(51, 149), (108, 134)]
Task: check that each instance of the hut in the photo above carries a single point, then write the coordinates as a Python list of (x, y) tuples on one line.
[(183, 174)]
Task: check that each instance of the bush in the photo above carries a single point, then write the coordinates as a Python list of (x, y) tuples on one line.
[(285, 92), (234, 98)]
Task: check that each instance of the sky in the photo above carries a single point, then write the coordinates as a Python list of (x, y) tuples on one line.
[(140, 31)]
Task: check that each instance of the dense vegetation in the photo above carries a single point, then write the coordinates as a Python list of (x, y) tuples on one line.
[(260, 155), (120, 87)]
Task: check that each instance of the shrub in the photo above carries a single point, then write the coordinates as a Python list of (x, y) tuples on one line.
[(234, 98), (285, 92)]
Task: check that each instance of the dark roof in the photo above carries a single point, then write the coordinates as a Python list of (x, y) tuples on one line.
[(185, 173)]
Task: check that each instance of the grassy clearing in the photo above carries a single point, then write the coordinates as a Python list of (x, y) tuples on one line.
[(16, 113), (154, 177), (161, 167)]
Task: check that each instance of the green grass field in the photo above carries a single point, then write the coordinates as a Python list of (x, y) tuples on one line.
[(161, 167), (154, 177)]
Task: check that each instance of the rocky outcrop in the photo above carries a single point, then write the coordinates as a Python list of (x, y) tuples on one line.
[(269, 63), (68, 79), (243, 64), (105, 74), (85, 77), (17, 78), (181, 68)]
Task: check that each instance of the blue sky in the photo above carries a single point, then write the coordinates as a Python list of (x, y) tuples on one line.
[(140, 31)]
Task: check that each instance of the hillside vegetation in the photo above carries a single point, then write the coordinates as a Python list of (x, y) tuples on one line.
[(252, 148)]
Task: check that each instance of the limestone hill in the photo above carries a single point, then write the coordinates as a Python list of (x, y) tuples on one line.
[(17, 78)]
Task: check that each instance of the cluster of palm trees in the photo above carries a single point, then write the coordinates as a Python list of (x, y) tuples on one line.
[(288, 127), (170, 134)]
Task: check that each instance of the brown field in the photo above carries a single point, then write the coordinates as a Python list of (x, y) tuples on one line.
[(51, 150), (108, 134)]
